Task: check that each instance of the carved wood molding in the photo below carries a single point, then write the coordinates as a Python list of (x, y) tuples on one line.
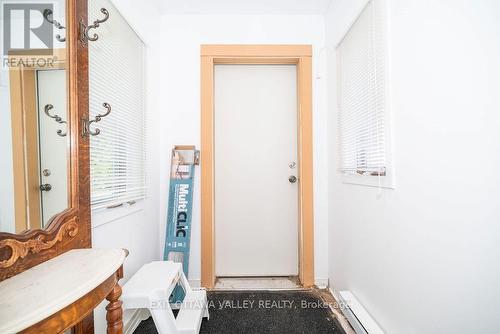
[(70, 229), (21, 248)]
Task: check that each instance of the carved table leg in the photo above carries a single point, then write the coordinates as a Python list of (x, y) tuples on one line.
[(114, 311)]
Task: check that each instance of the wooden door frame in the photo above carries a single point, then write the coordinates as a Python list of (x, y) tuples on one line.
[(301, 56)]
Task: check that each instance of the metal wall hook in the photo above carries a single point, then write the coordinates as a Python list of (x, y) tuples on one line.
[(48, 12), (57, 118), (84, 29), (86, 123)]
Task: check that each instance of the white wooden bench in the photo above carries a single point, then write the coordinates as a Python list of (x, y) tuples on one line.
[(151, 287)]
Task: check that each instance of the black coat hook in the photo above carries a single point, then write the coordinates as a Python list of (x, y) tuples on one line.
[(86, 123), (48, 12), (84, 29), (57, 118)]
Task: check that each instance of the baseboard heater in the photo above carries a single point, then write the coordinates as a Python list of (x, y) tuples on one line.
[(360, 320)]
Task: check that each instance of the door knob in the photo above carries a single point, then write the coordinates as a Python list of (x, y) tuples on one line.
[(45, 187), (292, 179)]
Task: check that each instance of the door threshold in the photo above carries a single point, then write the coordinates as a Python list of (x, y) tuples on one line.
[(258, 283)]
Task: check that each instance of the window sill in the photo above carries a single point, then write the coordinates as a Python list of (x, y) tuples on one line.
[(369, 181), (105, 216)]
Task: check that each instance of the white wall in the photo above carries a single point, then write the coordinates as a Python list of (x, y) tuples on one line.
[(136, 228), (182, 36), (423, 258)]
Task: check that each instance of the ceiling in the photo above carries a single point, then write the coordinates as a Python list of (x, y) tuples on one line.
[(242, 7)]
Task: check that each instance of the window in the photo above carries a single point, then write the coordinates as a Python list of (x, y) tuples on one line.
[(362, 100), (116, 70)]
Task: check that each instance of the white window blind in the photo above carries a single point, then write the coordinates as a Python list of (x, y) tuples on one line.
[(116, 76), (362, 102)]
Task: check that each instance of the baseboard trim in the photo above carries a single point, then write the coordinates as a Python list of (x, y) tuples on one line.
[(338, 311), (321, 283), (130, 325), (195, 283)]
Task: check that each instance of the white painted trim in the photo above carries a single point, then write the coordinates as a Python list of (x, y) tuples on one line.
[(138, 315), (195, 283), (356, 314), (104, 216), (337, 309), (321, 283), (371, 181)]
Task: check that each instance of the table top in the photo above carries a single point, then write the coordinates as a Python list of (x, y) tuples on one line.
[(39, 292)]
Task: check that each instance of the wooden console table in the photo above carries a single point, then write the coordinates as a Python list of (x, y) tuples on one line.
[(57, 294)]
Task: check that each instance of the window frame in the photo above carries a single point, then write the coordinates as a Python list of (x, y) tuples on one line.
[(102, 215), (388, 180)]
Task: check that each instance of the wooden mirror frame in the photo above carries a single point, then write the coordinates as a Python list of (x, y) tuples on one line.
[(71, 228), (25, 144)]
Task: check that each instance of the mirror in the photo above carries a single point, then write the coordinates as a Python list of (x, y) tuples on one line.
[(34, 118)]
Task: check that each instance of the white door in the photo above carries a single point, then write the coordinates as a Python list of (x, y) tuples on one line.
[(256, 205), (51, 88)]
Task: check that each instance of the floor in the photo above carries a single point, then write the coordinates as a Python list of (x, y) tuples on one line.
[(257, 283), (259, 312)]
